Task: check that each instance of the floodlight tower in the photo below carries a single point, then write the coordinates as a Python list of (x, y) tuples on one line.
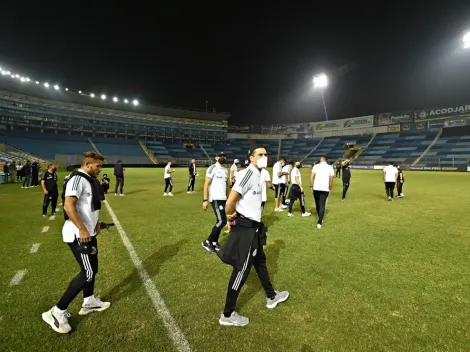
[(321, 81), (466, 40)]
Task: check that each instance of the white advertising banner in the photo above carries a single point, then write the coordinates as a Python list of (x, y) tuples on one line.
[(335, 125)]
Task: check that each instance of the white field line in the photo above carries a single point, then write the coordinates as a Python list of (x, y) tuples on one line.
[(35, 248), (52, 217), (179, 340), (45, 229), (16, 279)]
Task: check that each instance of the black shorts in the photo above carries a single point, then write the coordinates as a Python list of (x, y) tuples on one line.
[(278, 190), (295, 192)]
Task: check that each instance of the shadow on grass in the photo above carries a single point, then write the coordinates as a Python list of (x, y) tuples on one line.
[(252, 284), (270, 219), (306, 348), (152, 265), (136, 191)]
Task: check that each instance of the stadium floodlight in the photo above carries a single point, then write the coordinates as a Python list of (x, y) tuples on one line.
[(13, 76), (126, 101), (22, 79), (135, 102), (4, 73), (103, 96), (115, 99), (466, 40), (56, 87), (17, 76), (66, 89), (92, 95), (27, 79), (8, 72), (46, 85), (79, 92), (321, 81), (37, 82)]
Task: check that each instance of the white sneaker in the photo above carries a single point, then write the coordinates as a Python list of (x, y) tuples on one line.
[(319, 226), (115, 194), (170, 194), (57, 320), (278, 210), (188, 192), (122, 195), (306, 214), (284, 206), (279, 298), (234, 320), (289, 214), (165, 194), (95, 306)]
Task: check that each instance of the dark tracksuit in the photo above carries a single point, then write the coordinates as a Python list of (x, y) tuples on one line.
[(34, 174), (104, 184), (338, 170), (400, 182), (50, 180), (219, 210), (6, 171), (119, 173), (192, 177), (346, 180), (296, 193), (27, 175), (242, 250)]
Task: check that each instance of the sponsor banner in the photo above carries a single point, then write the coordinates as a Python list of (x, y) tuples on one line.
[(390, 118), (413, 126), (239, 129), (439, 168), (393, 128), (456, 122), (436, 124), (369, 167), (337, 125), (442, 113), (295, 128), (379, 167)]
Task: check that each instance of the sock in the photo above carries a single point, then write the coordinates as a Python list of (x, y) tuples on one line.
[(56, 310), (89, 299)]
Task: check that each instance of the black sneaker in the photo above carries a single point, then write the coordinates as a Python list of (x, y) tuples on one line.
[(216, 246), (208, 247)]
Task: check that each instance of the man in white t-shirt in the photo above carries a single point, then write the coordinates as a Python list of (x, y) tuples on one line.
[(81, 208), (168, 180), (297, 191), (285, 181), (277, 183), (265, 181), (321, 181), (390, 178), (233, 172), (215, 193)]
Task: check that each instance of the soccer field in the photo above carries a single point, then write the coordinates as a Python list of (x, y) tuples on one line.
[(379, 276)]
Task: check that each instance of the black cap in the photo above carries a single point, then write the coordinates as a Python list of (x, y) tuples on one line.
[(222, 154)]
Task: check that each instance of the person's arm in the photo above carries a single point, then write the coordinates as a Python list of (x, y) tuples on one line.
[(331, 183), (312, 179), (43, 185), (297, 179), (384, 176), (269, 185), (71, 210), (237, 192), (396, 176), (205, 202)]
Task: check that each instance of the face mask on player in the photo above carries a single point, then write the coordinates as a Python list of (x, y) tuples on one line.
[(221, 160), (262, 162), (297, 166)]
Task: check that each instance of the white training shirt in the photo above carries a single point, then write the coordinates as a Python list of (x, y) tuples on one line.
[(264, 177), (249, 187), (218, 186), (234, 168), (295, 172), (390, 173), (167, 168), (323, 172), (80, 187), (285, 168), (276, 168)]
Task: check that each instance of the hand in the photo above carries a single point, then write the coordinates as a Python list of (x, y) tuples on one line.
[(302, 189), (204, 205), (46, 192), (231, 217), (98, 228), (84, 235)]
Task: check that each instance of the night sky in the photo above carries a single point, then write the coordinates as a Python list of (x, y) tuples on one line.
[(257, 63)]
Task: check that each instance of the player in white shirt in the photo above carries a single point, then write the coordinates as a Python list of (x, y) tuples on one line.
[(277, 183), (265, 181), (390, 179), (233, 171), (321, 181), (168, 181), (244, 248), (81, 208), (284, 182), (297, 191), (215, 193)]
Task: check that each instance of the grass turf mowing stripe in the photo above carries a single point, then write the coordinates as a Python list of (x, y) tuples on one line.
[(19, 275), (175, 333)]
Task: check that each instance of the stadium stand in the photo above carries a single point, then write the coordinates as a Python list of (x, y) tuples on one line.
[(400, 147), (110, 146), (452, 148)]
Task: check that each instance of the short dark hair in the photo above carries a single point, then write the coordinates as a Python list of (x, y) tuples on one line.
[(119, 161), (252, 152), (324, 157), (283, 158), (87, 156)]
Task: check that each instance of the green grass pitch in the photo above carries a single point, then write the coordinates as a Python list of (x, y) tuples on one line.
[(379, 276)]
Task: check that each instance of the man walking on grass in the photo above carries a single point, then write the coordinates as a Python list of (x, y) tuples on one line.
[(390, 179), (321, 181)]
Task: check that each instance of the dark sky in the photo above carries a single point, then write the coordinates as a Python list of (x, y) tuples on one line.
[(255, 62)]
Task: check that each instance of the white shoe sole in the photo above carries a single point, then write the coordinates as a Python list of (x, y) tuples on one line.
[(85, 311), (55, 328), (273, 305), (225, 323)]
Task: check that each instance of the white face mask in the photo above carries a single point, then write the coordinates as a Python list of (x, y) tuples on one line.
[(262, 162)]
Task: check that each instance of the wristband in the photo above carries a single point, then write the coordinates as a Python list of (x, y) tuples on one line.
[(204, 200)]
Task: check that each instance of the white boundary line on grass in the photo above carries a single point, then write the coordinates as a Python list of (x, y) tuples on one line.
[(52, 217), (179, 340), (19, 275), (35, 248), (45, 229)]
